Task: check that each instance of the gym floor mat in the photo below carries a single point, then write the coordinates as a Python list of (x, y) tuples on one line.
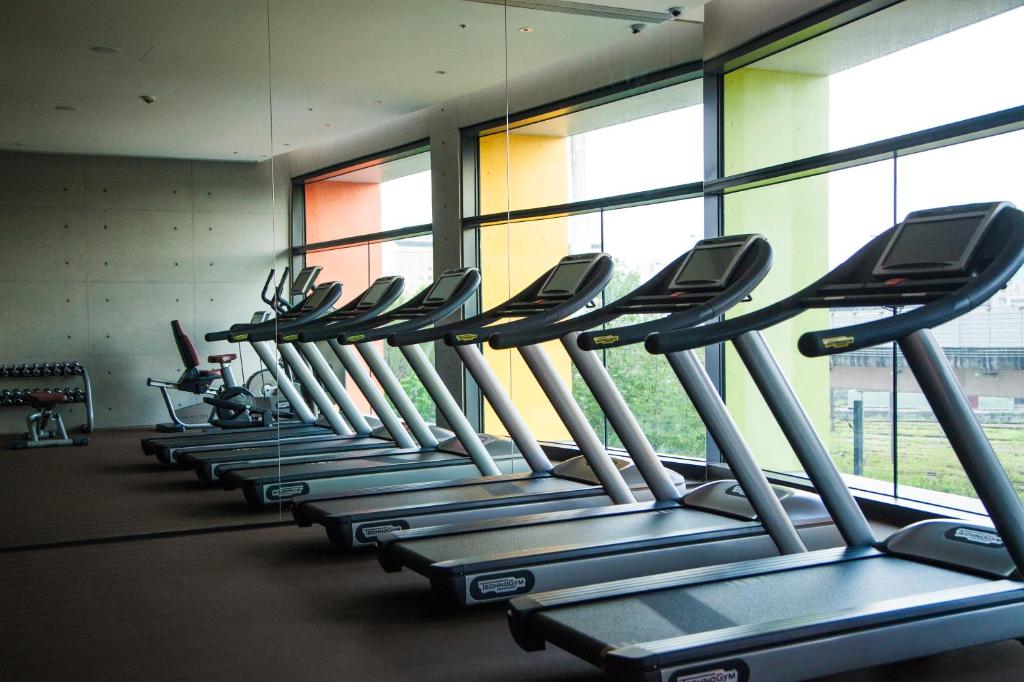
[(109, 489)]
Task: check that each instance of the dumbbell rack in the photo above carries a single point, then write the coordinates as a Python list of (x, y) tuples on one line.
[(14, 397)]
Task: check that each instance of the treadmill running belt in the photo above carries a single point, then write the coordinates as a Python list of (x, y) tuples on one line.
[(444, 495), (339, 467), (585, 531), (646, 617)]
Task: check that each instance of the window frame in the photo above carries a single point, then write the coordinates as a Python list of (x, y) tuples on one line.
[(298, 248)]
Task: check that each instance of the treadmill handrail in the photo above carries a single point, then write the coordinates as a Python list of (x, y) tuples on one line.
[(597, 279), (664, 342), (928, 316), (387, 327), (824, 342), (758, 263), (281, 323), (476, 326), (320, 330)]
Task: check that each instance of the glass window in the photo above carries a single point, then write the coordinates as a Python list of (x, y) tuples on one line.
[(356, 267), (874, 407), (910, 67), (986, 346), (813, 224), (368, 200), (642, 240), (639, 143)]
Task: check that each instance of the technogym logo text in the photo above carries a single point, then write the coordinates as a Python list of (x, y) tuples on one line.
[(725, 672), (500, 586), (975, 536), (720, 675), (285, 491), (371, 531)]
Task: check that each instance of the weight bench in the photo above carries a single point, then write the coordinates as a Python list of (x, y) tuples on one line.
[(46, 404)]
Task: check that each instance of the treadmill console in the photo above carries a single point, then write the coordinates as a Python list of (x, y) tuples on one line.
[(376, 291), (305, 279), (446, 285), (568, 275), (935, 243), (316, 298), (711, 263)]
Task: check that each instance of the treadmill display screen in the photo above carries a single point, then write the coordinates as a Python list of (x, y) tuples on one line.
[(708, 267), (932, 246), (566, 278), (305, 279), (317, 297), (443, 289), (374, 293)]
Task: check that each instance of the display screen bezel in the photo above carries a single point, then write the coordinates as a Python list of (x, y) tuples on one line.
[(741, 250), (306, 277), (589, 259), (430, 298), (959, 266)]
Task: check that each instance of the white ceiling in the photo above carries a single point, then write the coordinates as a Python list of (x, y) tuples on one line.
[(334, 66)]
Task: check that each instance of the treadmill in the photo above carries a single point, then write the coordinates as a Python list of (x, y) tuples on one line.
[(354, 432), (164, 447), (480, 562), (357, 518), (933, 586), (433, 303), (564, 289)]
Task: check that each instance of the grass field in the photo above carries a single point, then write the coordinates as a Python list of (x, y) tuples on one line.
[(926, 459)]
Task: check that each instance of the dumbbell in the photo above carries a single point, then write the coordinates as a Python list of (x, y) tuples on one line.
[(79, 396), (76, 368), (63, 368), (5, 371), (48, 369), (6, 398)]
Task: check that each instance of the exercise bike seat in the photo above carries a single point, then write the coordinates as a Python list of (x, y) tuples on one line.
[(223, 358), (43, 400)]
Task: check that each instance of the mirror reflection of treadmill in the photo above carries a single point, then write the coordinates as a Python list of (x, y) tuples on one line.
[(304, 280), (322, 469), (342, 476)]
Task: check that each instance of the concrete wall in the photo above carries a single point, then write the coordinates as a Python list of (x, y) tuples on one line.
[(99, 254)]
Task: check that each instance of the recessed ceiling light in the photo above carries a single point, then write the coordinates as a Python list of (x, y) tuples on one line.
[(234, 152), (525, 29), (286, 144), (440, 73), (377, 101), (101, 49), (309, 108), (327, 125), (65, 107)]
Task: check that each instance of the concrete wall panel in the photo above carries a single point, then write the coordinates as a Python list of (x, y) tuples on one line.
[(147, 184), (43, 323), (42, 244), (233, 247), (140, 246), (231, 187), (133, 319), (42, 180)]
